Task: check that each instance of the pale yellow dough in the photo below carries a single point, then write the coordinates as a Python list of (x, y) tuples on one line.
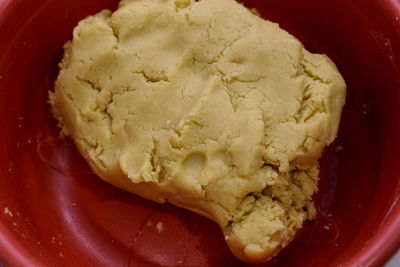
[(207, 106)]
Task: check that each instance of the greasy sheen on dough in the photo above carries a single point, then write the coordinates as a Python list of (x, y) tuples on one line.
[(207, 106)]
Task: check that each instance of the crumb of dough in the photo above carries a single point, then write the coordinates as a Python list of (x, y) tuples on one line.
[(339, 149), (8, 212), (255, 12), (207, 106), (160, 227)]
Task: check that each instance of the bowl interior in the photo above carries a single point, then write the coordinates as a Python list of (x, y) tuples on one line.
[(53, 211)]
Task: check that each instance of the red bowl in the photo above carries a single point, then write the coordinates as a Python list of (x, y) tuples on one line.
[(54, 212)]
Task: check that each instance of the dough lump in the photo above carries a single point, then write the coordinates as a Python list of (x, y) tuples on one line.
[(207, 106)]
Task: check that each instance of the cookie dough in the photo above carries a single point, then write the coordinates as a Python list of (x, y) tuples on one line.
[(207, 106)]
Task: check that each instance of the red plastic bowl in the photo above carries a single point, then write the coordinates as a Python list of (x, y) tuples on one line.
[(54, 212)]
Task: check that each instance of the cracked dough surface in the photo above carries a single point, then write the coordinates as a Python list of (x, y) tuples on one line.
[(207, 106)]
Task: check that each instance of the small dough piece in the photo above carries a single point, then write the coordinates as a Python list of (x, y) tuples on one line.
[(207, 106)]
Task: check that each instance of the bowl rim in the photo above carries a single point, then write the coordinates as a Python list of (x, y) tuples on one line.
[(385, 242), (376, 251), (11, 252)]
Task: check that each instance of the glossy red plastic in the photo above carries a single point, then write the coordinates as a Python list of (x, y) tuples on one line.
[(54, 212)]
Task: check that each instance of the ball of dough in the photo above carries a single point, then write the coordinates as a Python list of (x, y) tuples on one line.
[(207, 106)]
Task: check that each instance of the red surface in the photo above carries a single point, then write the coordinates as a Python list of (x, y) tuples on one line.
[(54, 212)]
